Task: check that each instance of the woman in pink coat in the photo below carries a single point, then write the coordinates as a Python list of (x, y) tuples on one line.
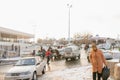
[(97, 60)]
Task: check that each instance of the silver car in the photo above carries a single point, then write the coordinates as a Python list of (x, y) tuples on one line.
[(106, 54), (26, 69), (72, 53)]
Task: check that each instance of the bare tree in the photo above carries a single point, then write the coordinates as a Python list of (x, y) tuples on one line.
[(49, 41), (63, 41), (82, 38), (39, 40)]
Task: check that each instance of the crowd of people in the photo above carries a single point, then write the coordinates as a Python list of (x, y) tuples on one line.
[(48, 54)]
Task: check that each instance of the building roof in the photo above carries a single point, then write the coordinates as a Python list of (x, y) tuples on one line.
[(17, 33)]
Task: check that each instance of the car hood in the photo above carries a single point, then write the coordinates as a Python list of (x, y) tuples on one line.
[(18, 69)]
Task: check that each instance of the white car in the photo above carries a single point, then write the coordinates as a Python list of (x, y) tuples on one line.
[(26, 69), (61, 51), (71, 52)]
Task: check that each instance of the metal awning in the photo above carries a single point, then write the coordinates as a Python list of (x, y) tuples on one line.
[(18, 34)]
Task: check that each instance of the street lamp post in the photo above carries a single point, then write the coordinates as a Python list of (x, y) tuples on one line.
[(34, 32), (69, 6)]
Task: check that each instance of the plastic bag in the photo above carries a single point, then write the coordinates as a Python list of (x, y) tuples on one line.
[(105, 73)]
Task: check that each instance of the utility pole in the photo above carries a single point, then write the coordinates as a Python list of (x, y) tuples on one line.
[(34, 32), (69, 7)]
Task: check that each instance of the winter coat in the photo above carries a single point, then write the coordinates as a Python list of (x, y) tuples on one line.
[(48, 53), (97, 60)]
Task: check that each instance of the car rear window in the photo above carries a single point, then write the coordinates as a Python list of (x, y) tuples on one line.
[(68, 50)]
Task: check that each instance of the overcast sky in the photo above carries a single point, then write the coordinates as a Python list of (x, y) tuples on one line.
[(50, 17)]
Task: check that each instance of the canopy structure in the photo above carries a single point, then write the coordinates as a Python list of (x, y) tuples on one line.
[(9, 33), (12, 42)]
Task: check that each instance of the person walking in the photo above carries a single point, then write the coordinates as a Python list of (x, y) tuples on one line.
[(48, 53), (86, 48), (98, 61), (42, 51)]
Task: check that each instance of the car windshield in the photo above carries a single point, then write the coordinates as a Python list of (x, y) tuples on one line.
[(23, 62), (68, 50)]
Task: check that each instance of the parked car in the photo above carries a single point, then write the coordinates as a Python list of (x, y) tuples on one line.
[(26, 69), (58, 53), (115, 53), (62, 52), (106, 54), (55, 54), (71, 52), (26, 52)]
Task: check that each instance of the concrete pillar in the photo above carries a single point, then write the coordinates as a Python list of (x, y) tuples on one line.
[(111, 65), (117, 71)]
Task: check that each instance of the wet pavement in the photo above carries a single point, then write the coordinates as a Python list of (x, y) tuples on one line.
[(61, 70), (68, 70), (78, 73), (71, 70)]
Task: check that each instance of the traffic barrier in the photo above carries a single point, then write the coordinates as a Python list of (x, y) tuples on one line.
[(117, 71), (1, 76), (111, 65)]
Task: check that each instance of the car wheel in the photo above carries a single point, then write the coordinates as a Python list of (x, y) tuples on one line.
[(34, 76), (66, 59), (43, 72), (73, 58), (79, 56)]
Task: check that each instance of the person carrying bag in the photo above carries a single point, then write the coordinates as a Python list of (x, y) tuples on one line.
[(105, 73), (97, 60)]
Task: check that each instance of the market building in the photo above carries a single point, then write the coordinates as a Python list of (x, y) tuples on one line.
[(12, 41)]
